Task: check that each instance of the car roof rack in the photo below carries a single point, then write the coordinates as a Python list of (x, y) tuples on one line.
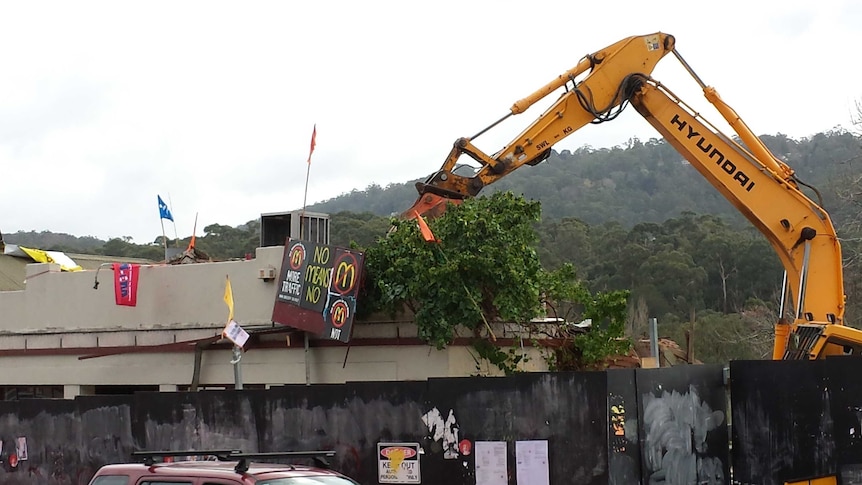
[(319, 457), (243, 459), (149, 457)]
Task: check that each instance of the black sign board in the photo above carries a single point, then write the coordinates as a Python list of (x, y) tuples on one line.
[(322, 279)]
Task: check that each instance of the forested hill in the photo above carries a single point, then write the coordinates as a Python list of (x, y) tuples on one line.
[(641, 182)]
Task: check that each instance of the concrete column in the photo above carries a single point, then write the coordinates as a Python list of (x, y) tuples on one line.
[(71, 391), (167, 388)]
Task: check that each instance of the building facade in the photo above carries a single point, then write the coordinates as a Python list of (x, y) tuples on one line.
[(64, 335)]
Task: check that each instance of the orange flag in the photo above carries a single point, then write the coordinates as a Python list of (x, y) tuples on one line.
[(424, 229), (194, 230), (313, 142)]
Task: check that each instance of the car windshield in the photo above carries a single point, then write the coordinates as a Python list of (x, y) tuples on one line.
[(110, 480), (321, 480)]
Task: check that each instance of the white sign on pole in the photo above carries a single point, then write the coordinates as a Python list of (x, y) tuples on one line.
[(398, 463), (235, 333)]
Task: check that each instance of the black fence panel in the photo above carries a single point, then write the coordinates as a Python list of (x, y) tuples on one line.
[(790, 420), (195, 420), (782, 421), (844, 395), (683, 425), (61, 441), (624, 451), (564, 409), (350, 419)]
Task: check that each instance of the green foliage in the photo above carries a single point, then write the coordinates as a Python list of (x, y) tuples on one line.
[(571, 301), (123, 248), (222, 242), (607, 335), (485, 269), (382, 201), (53, 241), (361, 230), (505, 360), (718, 338)]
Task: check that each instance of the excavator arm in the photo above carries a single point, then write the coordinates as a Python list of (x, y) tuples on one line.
[(761, 186), (765, 191), (597, 97)]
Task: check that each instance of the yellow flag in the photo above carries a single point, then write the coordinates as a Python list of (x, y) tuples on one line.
[(65, 262), (228, 299)]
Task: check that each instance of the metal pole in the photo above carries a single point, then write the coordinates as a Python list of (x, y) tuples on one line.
[(237, 370), (307, 378), (782, 304), (164, 238), (653, 337), (803, 280)]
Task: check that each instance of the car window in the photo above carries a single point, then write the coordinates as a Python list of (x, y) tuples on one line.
[(162, 482), (111, 480), (322, 480)]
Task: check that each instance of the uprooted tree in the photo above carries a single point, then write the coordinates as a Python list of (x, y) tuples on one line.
[(483, 270)]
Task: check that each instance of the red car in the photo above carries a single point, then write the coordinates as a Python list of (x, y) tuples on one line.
[(220, 467)]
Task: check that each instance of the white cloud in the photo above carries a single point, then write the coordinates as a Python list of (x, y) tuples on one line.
[(103, 105)]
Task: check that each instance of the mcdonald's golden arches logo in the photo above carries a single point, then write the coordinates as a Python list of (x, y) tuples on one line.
[(339, 314), (296, 256), (345, 274)]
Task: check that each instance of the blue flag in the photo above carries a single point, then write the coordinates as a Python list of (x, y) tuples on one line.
[(164, 212)]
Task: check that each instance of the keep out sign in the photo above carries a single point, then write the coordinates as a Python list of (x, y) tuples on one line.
[(398, 463)]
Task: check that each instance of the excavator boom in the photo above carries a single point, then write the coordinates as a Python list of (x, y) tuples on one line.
[(800, 232), (597, 97)]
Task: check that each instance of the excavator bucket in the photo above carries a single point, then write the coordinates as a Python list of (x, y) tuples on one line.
[(429, 205)]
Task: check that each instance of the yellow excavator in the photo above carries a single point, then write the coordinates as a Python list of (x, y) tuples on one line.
[(760, 185)]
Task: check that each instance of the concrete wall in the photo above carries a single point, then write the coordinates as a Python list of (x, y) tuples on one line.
[(259, 366), (47, 329), (189, 295)]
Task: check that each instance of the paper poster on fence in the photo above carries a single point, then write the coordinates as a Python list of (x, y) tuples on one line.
[(491, 463), (531, 459)]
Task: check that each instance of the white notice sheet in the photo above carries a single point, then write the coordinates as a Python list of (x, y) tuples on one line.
[(531, 460), (491, 463)]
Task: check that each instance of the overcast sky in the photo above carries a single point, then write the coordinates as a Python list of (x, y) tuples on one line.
[(104, 105)]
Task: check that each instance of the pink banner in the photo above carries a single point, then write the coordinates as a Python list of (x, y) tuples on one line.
[(126, 283)]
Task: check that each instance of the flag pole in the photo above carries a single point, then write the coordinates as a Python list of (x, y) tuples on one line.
[(164, 238), (237, 350), (304, 196), (194, 231), (307, 172), (176, 236)]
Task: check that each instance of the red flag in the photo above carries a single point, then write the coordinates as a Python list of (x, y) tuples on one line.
[(313, 142), (126, 283), (424, 229)]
